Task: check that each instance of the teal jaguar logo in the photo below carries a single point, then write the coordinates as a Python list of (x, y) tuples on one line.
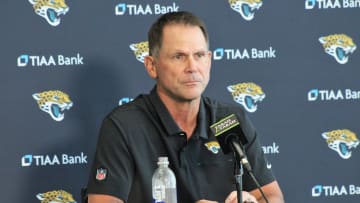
[(53, 102), (339, 46), (247, 94), (55, 196), (246, 8), (50, 10), (140, 50), (341, 141), (213, 147)]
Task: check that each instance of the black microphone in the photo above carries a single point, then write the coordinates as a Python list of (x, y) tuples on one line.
[(231, 138)]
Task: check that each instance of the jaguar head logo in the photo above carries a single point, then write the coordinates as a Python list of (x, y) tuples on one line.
[(56, 196), (51, 10), (213, 146), (247, 94), (339, 46), (341, 141), (246, 8), (53, 102), (140, 50)]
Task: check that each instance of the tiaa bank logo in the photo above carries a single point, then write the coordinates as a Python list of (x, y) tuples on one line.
[(25, 60), (322, 4), (50, 10), (56, 196), (140, 49), (247, 94), (331, 4), (53, 102), (333, 95), (334, 190), (246, 8), (339, 46), (342, 141), (243, 54), (141, 9), (53, 160)]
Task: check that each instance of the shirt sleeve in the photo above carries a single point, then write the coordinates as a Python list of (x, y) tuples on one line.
[(112, 170)]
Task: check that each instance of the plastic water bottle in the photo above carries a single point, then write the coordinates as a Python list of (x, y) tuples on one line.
[(164, 183)]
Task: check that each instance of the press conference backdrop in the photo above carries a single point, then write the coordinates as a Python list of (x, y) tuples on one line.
[(293, 65)]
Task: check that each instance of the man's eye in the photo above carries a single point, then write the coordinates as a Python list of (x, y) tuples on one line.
[(179, 56), (199, 55)]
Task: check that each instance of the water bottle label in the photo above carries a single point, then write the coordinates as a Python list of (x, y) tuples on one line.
[(159, 192), (158, 201)]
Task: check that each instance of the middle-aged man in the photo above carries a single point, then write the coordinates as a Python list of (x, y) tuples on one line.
[(174, 120)]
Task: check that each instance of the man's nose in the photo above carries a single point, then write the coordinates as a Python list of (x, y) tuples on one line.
[(191, 64)]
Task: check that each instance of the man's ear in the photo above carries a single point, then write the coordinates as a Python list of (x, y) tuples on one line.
[(150, 67)]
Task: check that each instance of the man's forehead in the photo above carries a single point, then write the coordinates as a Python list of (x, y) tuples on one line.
[(171, 39)]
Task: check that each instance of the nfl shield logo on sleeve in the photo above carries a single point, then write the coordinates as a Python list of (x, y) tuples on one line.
[(101, 174)]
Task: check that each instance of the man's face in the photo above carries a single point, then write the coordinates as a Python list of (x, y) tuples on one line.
[(182, 66)]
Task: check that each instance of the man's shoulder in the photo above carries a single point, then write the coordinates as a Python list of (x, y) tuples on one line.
[(131, 109)]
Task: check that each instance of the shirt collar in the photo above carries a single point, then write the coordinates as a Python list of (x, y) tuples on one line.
[(168, 122)]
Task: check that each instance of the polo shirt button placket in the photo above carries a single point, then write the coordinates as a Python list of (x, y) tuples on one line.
[(182, 134), (182, 151)]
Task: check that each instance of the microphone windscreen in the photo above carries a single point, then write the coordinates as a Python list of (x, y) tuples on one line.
[(226, 129)]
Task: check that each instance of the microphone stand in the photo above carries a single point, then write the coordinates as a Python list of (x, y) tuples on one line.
[(240, 160), (238, 170)]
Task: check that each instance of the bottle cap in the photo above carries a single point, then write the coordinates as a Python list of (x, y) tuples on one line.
[(163, 160)]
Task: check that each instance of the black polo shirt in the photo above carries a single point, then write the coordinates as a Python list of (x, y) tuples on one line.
[(134, 135)]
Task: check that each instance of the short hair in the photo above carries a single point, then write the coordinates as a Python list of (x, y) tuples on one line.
[(181, 17)]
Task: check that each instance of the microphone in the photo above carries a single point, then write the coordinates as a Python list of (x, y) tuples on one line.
[(231, 138)]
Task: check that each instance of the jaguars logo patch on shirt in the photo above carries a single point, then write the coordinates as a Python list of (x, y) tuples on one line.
[(213, 146)]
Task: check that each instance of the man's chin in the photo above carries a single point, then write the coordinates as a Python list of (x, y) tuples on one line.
[(192, 95)]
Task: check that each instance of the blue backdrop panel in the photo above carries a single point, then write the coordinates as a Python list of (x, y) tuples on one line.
[(64, 66)]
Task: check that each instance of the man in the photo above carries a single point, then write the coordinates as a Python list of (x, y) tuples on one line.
[(174, 120)]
